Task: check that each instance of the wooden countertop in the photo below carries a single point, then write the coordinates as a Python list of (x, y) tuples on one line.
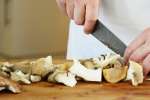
[(83, 91)]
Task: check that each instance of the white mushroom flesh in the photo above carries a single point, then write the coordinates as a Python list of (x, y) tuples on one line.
[(104, 60), (87, 74), (35, 78), (20, 77), (135, 73), (66, 78)]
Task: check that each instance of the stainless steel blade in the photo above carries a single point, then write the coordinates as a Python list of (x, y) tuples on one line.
[(109, 39)]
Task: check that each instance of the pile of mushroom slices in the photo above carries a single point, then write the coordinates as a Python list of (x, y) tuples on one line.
[(109, 67)]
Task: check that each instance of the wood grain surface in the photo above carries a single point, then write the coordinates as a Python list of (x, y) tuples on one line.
[(83, 91)]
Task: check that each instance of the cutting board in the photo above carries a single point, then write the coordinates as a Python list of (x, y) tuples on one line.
[(83, 91)]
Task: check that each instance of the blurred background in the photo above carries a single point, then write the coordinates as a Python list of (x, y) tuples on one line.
[(32, 28)]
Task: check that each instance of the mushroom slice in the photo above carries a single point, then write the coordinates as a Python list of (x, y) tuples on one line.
[(10, 85), (89, 64), (66, 78), (115, 72), (135, 73), (5, 69), (105, 60), (62, 75), (2, 88), (35, 78), (19, 76), (23, 66), (4, 74), (87, 74), (42, 66)]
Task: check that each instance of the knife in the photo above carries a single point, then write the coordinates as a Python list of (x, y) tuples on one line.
[(108, 38)]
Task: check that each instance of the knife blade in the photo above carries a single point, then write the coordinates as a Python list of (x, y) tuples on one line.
[(108, 38)]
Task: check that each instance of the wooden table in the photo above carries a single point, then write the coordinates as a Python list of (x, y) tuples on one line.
[(83, 91)]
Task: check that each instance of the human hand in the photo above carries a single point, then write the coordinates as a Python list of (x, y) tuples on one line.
[(83, 12), (139, 51)]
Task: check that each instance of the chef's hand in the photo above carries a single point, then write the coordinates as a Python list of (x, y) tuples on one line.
[(83, 12), (139, 51)]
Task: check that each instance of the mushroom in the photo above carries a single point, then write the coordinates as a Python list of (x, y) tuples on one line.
[(104, 60), (35, 78), (19, 76), (42, 66), (115, 72), (4, 74), (23, 66), (2, 88), (87, 74), (89, 64), (5, 69), (135, 73), (61, 75), (66, 78), (9, 85)]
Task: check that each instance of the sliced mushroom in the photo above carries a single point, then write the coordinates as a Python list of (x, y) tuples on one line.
[(23, 66), (42, 66), (35, 78), (61, 75), (89, 64), (135, 73), (5, 69), (19, 76), (115, 72), (66, 78), (9, 85), (105, 60), (87, 74), (4, 74)]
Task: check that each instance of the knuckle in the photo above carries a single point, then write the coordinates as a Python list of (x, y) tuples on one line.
[(62, 2)]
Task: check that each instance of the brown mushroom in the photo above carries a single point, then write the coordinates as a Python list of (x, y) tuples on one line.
[(10, 85), (115, 72)]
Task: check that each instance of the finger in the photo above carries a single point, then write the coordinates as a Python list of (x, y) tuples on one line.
[(70, 8), (92, 12), (79, 12), (140, 40), (146, 65), (139, 54), (62, 5)]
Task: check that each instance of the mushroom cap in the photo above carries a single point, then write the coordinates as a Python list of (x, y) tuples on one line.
[(115, 72)]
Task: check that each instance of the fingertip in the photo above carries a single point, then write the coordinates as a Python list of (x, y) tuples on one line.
[(70, 16), (89, 26), (78, 21), (127, 54)]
